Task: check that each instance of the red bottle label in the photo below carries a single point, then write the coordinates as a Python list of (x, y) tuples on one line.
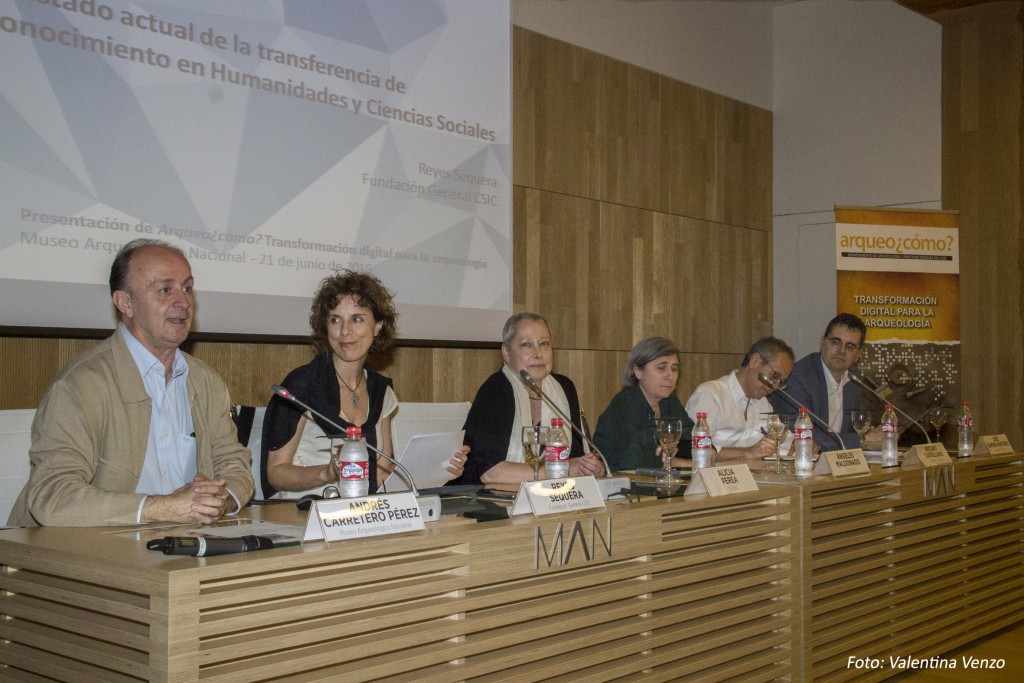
[(701, 441), (354, 470), (556, 453)]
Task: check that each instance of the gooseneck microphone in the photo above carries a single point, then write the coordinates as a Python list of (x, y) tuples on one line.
[(289, 396), (584, 440), (199, 546), (765, 379), (862, 383)]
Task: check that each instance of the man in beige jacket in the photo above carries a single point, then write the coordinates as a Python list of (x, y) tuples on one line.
[(134, 430)]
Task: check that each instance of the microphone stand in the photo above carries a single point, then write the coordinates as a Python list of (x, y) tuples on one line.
[(429, 505), (615, 481), (860, 381), (765, 379)]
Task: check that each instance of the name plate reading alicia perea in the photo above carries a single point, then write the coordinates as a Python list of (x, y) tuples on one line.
[(338, 519), (722, 480)]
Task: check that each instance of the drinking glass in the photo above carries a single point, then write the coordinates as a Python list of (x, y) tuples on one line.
[(860, 420), (668, 431), (534, 440), (936, 416), (776, 428)]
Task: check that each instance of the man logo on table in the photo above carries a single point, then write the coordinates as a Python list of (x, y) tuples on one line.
[(561, 552)]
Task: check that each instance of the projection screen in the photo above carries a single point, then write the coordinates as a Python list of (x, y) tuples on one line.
[(273, 142)]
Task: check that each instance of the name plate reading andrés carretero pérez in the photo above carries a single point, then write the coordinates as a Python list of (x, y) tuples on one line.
[(342, 518)]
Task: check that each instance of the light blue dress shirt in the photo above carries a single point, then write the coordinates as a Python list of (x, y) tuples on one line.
[(170, 461)]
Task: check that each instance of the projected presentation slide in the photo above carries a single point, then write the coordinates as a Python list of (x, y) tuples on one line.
[(273, 142)]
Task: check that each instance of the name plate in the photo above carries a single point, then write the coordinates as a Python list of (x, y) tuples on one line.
[(927, 455), (552, 496), (994, 444), (842, 463), (722, 480), (339, 519)]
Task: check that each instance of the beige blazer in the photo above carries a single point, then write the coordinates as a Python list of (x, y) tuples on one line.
[(90, 435)]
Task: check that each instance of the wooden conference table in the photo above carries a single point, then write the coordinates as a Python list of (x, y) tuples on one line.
[(786, 583)]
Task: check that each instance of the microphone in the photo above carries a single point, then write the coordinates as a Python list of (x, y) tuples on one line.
[(584, 440), (774, 385), (199, 546), (859, 380), (289, 396)]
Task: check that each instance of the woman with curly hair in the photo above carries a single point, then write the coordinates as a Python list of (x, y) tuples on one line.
[(352, 315)]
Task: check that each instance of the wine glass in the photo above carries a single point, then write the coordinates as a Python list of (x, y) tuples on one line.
[(860, 420), (669, 431), (535, 438), (936, 416), (776, 428)]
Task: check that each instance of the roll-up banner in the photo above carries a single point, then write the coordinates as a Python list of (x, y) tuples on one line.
[(899, 271)]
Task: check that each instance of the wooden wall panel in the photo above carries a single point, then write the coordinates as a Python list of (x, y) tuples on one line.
[(555, 92), (250, 369), (628, 124), (441, 374), (641, 206), (589, 126), (552, 232), (29, 364), (982, 108)]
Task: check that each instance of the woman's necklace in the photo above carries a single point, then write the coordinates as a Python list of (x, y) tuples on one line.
[(355, 394)]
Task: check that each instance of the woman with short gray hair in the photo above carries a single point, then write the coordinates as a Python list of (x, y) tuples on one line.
[(625, 430), (505, 403)]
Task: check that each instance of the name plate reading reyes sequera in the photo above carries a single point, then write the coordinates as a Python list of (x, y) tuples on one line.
[(342, 518), (842, 463), (995, 444), (927, 455), (722, 480), (551, 496)]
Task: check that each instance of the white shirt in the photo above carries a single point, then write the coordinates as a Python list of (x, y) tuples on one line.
[(170, 460), (735, 421), (834, 390)]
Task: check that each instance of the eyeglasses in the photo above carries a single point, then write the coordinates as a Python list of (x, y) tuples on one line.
[(837, 343), (776, 376)]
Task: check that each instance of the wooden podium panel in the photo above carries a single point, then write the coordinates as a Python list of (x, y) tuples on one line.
[(909, 563), (669, 588), (784, 584)]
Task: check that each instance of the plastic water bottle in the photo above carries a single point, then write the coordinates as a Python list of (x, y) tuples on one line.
[(890, 435), (556, 451), (965, 430), (701, 450), (803, 435), (353, 465)]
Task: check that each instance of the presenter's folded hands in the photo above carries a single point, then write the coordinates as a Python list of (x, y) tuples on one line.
[(201, 500)]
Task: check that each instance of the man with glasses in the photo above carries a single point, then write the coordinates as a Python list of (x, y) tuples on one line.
[(737, 404), (821, 381)]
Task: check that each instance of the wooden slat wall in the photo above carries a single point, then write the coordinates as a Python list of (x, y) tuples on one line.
[(981, 178), (642, 206)]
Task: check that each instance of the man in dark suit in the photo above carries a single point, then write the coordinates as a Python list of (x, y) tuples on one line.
[(821, 382)]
